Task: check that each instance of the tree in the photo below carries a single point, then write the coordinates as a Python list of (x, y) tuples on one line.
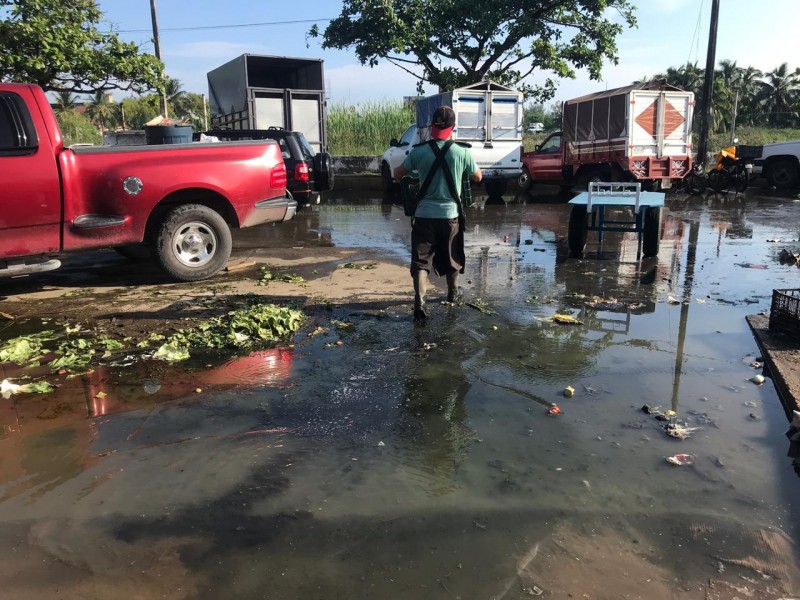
[(779, 94), (451, 44), (65, 102), (57, 45), (103, 111)]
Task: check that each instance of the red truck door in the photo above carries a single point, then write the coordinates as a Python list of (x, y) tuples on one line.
[(546, 163), (30, 188)]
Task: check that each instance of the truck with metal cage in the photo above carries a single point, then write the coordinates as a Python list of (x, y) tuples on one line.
[(641, 132)]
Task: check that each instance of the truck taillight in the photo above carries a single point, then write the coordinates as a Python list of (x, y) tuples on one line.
[(301, 172), (278, 177)]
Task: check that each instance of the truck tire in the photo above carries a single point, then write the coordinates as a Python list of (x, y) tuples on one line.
[(192, 243), (782, 174), (525, 181), (651, 233), (719, 180), (387, 182), (323, 172), (135, 251), (495, 188), (576, 234)]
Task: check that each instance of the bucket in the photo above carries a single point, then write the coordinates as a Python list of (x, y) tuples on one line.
[(168, 134)]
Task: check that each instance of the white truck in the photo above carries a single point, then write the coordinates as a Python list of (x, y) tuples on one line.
[(778, 162), (488, 118)]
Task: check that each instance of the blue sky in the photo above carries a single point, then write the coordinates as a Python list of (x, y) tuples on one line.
[(762, 34)]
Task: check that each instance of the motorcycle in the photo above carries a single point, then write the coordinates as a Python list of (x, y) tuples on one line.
[(728, 172)]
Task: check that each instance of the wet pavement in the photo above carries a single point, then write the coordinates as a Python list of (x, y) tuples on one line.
[(420, 462)]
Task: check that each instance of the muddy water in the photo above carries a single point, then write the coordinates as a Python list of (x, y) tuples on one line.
[(419, 462)]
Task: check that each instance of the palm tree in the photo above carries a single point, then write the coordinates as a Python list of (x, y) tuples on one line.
[(65, 102), (176, 97), (103, 110), (778, 95)]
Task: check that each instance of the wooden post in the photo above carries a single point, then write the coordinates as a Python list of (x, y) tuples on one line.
[(157, 44)]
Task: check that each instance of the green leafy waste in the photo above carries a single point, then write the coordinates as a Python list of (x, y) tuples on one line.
[(25, 348), (241, 328)]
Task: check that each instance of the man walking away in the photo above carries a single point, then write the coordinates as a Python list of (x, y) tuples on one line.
[(437, 227)]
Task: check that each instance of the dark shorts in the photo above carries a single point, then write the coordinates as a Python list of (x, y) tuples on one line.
[(437, 244)]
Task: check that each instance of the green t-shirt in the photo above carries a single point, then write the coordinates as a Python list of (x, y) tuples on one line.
[(438, 203)]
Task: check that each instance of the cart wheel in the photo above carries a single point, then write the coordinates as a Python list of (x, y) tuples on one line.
[(651, 234), (576, 234)]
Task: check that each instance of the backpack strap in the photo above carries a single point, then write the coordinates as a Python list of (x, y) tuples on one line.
[(437, 163)]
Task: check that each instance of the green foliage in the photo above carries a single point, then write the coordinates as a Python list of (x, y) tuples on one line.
[(453, 44), (761, 100), (58, 46), (77, 128), (139, 111), (366, 129)]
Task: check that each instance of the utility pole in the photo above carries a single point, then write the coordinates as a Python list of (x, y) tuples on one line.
[(157, 44), (708, 85)]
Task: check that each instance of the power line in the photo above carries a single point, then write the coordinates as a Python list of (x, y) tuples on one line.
[(234, 26)]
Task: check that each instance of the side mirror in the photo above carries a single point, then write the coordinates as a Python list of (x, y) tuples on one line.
[(394, 143), (537, 148)]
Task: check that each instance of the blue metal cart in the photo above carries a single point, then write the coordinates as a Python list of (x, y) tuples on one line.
[(589, 214)]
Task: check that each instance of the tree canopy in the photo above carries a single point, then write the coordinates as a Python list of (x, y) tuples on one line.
[(451, 43), (58, 45)]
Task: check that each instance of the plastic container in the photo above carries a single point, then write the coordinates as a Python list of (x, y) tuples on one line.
[(168, 134)]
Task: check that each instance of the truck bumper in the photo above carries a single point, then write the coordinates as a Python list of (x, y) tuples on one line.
[(271, 210)]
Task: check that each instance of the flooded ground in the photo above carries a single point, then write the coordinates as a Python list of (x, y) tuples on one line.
[(420, 462)]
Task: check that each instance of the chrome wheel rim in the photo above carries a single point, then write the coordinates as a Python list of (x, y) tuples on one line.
[(194, 244)]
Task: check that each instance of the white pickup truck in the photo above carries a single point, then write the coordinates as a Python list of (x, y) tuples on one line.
[(488, 118), (780, 164)]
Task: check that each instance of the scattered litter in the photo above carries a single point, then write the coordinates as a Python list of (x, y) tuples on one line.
[(747, 265), (534, 591), (569, 391), (672, 300), (754, 417), (750, 404), (566, 320), (381, 444), (6, 316), (758, 379), (360, 266), (7, 389), (553, 411), (700, 300), (198, 390), (679, 431), (756, 364), (240, 266), (681, 460), (774, 241)]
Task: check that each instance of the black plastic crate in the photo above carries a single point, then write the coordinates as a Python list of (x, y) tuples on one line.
[(409, 188), (784, 315), (749, 151)]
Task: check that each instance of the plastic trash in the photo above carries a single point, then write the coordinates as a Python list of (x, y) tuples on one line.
[(569, 391), (553, 411), (681, 460)]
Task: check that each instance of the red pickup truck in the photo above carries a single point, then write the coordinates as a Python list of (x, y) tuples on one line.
[(176, 203)]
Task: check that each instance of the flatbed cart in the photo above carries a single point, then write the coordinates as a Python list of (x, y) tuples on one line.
[(589, 214)]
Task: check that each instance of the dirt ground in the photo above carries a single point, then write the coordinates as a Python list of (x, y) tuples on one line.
[(104, 290)]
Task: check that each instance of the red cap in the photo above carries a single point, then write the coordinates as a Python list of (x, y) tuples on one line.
[(444, 119)]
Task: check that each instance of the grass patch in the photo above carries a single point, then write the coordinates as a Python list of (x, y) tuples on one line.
[(365, 129)]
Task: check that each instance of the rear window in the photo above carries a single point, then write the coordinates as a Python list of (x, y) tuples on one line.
[(305, 147), (17, 133)]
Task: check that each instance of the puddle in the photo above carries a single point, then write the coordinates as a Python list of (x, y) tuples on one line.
[(420, 461)]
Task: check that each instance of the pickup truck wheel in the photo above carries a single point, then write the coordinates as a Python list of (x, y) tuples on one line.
[(694, 183), (783, 174), (525, 181), (651, 232), (193, 243), (135, 251), (576, 234), (495, 188), (387, 182)]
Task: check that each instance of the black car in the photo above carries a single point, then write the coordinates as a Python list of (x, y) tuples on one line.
[(308, 173)]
